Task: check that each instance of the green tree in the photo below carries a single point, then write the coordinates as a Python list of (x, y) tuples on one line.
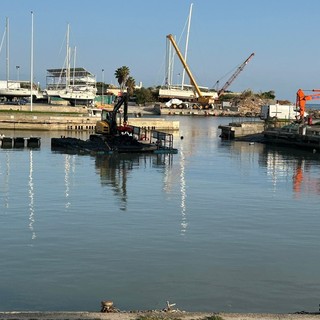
[(101, 87), (144, 95), (122, 75), (226, 97), (267, 95), (130, 84), (246, 94)]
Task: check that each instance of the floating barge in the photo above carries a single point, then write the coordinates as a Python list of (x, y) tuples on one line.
[(19, 142), (295, 135), (305, 136), (148, 142), (113, 136)]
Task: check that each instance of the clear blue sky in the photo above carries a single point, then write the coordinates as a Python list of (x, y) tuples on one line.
[(284, 34)]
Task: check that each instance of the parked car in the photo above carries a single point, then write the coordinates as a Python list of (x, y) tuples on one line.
[(21, 101)]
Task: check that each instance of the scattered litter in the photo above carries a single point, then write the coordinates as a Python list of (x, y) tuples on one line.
[(107, 306)]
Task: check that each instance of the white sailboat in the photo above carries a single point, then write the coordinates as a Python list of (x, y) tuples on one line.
[(179, 91), (76, 85), (14, 90)]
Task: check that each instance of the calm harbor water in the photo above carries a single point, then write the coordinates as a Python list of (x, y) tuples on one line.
[(220, 226)]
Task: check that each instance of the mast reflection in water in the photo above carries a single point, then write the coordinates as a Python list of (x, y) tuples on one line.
[(31, 196)]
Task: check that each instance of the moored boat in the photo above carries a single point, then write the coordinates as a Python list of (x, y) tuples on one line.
[(81, 90), (75, 85)]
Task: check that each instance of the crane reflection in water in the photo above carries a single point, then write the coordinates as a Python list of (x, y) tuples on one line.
[(115, 170), (303, 180), (298, 164)]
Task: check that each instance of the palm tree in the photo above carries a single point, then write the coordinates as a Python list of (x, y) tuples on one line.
[(130, 84), (122, 75)]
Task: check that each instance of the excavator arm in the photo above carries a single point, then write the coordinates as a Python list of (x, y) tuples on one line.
[(122, 101), (108, 122)]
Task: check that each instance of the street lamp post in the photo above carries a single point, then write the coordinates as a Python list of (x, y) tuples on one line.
[(102, 88), (18, 69)]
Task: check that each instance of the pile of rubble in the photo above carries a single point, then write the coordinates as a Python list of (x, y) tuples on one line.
[(250, 106), (315, 114)]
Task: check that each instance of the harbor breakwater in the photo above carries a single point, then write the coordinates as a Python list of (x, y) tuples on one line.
[(62, 118)]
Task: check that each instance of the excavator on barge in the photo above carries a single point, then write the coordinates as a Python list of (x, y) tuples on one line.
[(114, 137)]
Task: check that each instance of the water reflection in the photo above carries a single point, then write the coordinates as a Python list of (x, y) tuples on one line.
[(284, 163), (31, 196), (115, 170), (184, 223), (303, 179), (298, 176), (69, 167), (6, 174), (281, 164)]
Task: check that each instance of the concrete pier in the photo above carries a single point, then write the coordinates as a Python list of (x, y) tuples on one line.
[(78, 124), (241, 129), (81, 122), (301, 136)]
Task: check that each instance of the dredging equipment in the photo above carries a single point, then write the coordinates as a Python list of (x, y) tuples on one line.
[(111, 136)]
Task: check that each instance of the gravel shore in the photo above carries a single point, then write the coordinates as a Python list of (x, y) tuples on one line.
[(152, 316)]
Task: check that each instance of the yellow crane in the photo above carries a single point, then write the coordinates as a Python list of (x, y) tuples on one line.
[(201, 99)]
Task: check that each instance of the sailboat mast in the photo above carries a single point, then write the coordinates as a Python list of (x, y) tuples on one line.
[(68, 59), (74, 65), (2, 40), (31, 62), (187, 44), (7, 51)]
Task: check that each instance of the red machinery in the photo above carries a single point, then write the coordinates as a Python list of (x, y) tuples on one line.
[(302, 99)]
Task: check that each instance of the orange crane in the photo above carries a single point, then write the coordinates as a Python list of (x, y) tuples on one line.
[(235, 74), (302, 99)]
